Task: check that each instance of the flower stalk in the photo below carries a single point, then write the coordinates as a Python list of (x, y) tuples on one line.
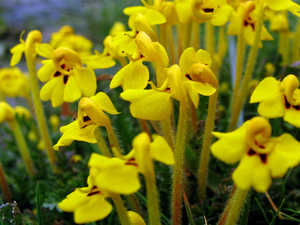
[(30, 54), (121, 210), (4, 185), (204, 160), (179, 162), (101, 143), (249, 69)]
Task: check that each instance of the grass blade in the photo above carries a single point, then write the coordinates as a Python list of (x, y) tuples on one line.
[(262, 210), (187, 207), (274, 217), (38, 205)]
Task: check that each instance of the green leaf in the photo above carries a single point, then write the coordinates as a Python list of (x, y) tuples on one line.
[(274, 217), (38, 204), (187, 207), (262, 210)]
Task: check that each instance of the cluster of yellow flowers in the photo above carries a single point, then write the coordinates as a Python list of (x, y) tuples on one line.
[(182, 72)]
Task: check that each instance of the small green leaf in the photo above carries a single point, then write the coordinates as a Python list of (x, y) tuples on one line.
[(38, 204), (187, 207)]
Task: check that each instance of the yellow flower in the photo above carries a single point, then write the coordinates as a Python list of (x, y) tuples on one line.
[(120, 175), (245, 22), (90, 116), (88, 204), (7, 113), (279, 5), (279, 99), (67, 79), (65, 37), (217, 12), (13, 82), (135, 218), (156, 104), (198, 77), (279, 22), (261, 157), (141, 19), (135, 75)]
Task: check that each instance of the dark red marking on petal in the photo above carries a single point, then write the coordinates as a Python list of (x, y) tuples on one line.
[(93, 193), (131, 162), (188, 76), (208, 10), (286, 103), (168, 89), (297, 107), (86, 118), (66, 79), (245, 23), (252, 25), (261, 146), (263, 158), (63, 66), (251, 152), (84, 126), (57, 73)]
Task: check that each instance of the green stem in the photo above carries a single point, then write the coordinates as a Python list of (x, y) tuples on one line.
[(195, 37), (152, 196), (112, 138), (179, 162), (171, 48), (232, 212), (121, 210), (101, 143), (239, 67), (187, 35), (284, 47), (163, 36), (168, 132), (4, 185), (209, 126), (296, 44), (23, 148), (30, 54), (249, 69), (210, 39)]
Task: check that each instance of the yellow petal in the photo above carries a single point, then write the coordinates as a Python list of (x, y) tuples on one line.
[(115, 175), (86, 80), (73, 132), (161, 151), (104, 102), (203, 57), (221, 16), (230, 147), (251, 172), (292, 116), (99, 62), (271, 101), (135, 218), (54, 90), (192, 93), (72, 91), (47, 71), (187, 59), (87, 207), (17, 52), (286, 154), (44, 50), (149, 104), (133, 76)]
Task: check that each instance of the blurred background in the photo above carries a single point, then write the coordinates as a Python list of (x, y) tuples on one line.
[(90, 18)]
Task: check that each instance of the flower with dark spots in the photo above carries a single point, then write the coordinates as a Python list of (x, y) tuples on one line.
[(261, 156), (279, 99)]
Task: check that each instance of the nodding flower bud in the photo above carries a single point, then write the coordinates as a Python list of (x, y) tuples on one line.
[(68, 55), (202, 73), (290, 83), (33, 37), (89, 111), (152, 51), (258, 133), (7, 113)]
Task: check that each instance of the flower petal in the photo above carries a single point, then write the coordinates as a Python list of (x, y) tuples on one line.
[(114, 174), (86, 80), (149, 104), (161, 151), (133, 76), (286, 154), (104, 102)]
